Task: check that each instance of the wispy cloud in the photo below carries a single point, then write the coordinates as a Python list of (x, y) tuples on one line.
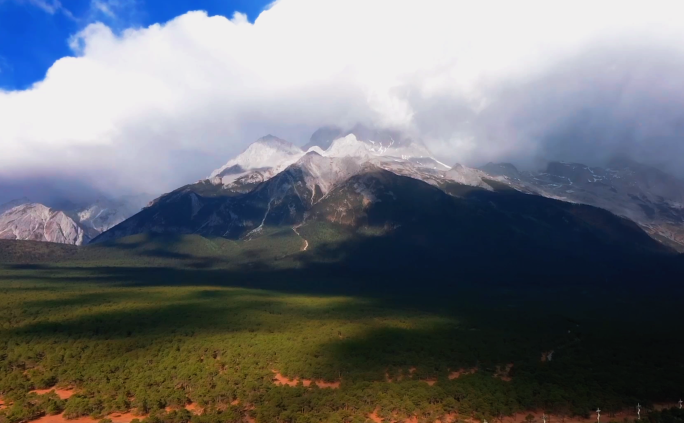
[(104, 7), (118, 14), (52, 7)]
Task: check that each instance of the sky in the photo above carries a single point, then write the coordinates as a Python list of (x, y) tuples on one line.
[(130, 96), (35, 33)]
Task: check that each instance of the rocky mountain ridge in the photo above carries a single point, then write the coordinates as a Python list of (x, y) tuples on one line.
[(393, 186), (648, 196), (273, 182), (36, 222), (22, 219)]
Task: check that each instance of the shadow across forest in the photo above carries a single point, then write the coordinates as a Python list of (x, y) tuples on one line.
[(360, 310)]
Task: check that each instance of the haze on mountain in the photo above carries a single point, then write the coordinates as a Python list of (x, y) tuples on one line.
[(153, 108)]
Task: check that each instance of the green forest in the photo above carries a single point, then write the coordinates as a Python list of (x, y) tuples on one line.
[(151, 333)]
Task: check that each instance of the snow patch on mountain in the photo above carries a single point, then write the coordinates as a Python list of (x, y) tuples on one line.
[(469, 176), (349, 146), (268, 152), (326, 172), (269, 156)]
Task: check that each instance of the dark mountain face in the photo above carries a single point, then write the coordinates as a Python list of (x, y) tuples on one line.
[(648, 196)]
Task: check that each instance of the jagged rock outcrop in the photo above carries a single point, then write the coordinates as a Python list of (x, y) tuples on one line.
[(36, 222)]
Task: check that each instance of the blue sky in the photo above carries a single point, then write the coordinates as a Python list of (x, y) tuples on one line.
[(35, 33)]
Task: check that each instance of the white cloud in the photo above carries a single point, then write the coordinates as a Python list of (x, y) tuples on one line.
[(49, 7), (126, 111), (102, 7)]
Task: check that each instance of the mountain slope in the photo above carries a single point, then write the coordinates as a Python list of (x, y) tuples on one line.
[(107, 213), (261, 160), (71, 223), (648, 196), (362, 181), (203, 209), (36, 222), (481, 222)]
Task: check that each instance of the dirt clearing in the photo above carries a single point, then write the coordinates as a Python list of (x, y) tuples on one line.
[(65, 393), (281, 380)]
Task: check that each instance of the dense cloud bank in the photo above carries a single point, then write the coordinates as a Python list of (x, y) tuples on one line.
[(150, 109)]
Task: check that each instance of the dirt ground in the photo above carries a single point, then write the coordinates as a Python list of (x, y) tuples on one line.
[(279, 379), (62, 393)]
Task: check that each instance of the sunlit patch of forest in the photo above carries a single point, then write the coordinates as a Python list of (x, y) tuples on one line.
[(149, 337)]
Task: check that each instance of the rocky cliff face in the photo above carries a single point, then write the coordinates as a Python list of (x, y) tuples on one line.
[(23, 219), (36, 222)]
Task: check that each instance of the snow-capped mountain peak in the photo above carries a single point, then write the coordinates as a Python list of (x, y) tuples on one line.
[(326, 172), (270, 155), (266, 152), (349, 146)]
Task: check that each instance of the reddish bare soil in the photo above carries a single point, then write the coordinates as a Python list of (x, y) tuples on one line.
[(123, 417), (412, 370), (377, 419), (374, 416), (460, 372), (116, 418), (504, 373), (399, 378), (281, 380), (62, 393), (192, 407)]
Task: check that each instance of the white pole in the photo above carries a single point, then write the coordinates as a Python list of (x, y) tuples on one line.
[(598, 415), (638, 411)]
